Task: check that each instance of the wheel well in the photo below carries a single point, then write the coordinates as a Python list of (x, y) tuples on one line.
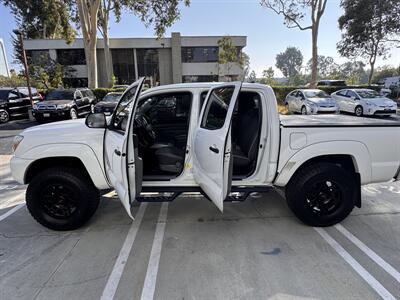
[(346, 162), (44, 163)]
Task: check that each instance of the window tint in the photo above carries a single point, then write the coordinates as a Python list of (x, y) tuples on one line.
[(217, 108), (122, 111), (342, 93), (170, 108)]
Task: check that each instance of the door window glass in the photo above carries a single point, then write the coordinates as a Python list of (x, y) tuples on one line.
[(122, 111), (217, 108), (351, 94), (13, 95)]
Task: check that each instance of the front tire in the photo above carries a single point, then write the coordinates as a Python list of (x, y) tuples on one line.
[(73, 113), (61, 198), (303, 110), (321, 194), (358, 111)]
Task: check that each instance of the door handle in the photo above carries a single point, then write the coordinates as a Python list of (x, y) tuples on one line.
[(117, 152), (214, 149)]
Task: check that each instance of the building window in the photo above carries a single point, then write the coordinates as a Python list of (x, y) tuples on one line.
[(67, 57), (75, 82), (200, 78), (123, 65), (38, 57), (148, 65), (199, 54)]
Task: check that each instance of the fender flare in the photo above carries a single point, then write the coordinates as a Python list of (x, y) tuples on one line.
[(356, 150), (83, 152)]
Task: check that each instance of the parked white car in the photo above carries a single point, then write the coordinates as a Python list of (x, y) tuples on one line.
[(311, 101), (364, 102), (222, 140)]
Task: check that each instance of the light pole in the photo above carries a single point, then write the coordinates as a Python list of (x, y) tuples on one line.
[(26, 70)]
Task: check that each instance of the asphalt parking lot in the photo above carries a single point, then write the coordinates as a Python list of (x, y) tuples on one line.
[(187, 249)]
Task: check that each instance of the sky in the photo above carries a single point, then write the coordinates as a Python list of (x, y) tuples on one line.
[(266, 34)]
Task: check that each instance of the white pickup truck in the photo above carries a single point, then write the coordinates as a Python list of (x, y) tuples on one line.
[(222, 140)]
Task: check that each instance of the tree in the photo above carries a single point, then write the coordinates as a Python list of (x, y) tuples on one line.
[(88, 17), (294, 12), (268, 76), (159, 13), (325, 66), (245, 64), (384, 72), (48, 73), (289, 62), (353, 72), (252, 76), (369, 28), (229, 55), (45, 19), (40, 19)]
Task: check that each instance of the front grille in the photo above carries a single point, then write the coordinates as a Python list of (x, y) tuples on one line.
[(46, 107)]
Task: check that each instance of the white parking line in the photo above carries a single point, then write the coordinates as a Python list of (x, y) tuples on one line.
[(149, 285), (371, 254), (373, 283), (119, 266), (11, 211)]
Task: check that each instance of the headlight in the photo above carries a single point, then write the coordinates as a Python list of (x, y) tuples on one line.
[(62, 106), (312, 104), (17, 140)]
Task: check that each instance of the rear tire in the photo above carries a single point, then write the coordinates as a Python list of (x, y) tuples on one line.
[(4, 116), (321, 194), (61, 198)]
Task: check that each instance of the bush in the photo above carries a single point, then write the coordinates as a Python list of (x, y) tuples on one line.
[(282, 91)]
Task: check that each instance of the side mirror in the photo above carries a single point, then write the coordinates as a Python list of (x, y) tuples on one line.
[(96, 120)]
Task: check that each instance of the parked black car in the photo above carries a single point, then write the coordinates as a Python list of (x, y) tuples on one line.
[(15, 102), (108, 104), (65, 104)]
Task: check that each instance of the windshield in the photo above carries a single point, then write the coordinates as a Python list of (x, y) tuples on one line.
[(112, 97), (60, 95), (316, 94), (368, 94)]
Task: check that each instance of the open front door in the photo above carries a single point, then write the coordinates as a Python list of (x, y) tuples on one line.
[(212, 144), (122, 164)]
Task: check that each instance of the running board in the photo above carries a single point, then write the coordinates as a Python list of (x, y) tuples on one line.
[(168, 194)]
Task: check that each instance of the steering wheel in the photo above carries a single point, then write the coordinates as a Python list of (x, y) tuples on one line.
[(144, 130)]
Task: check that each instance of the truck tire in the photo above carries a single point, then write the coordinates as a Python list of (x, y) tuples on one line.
[(321, 194), (61, 198)]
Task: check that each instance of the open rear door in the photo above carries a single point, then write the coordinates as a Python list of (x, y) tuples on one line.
[(212, 144), (123, 166)]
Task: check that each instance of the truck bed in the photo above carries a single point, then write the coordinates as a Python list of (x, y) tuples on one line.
[(336, 121)]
